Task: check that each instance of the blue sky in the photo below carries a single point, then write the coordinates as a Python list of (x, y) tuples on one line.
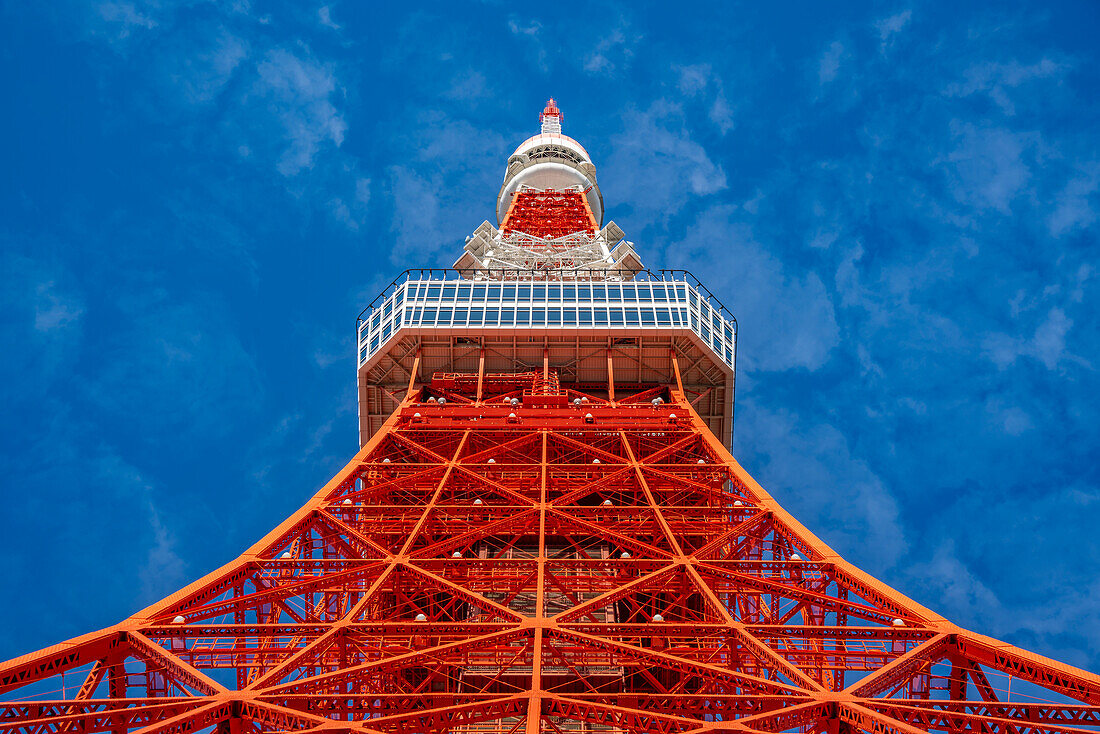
[(899, 201)]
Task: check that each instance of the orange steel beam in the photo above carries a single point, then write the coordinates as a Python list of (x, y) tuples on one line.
[(469, 571)]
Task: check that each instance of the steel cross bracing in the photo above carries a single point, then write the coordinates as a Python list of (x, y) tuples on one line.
[(511, 553)]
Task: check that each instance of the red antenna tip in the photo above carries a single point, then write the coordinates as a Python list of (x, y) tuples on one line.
[(551, 110)]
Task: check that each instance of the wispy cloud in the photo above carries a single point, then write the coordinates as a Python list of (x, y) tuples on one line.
[(891, 25), (613, 51), (300, 89), (654, 146), (828, 66), (802, 328), (997, 79), (699, 80)]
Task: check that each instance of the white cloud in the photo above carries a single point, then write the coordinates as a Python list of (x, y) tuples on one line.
[(792, 323), (1047, 345), (324, 15), (986, 168), (204, 72), (530, 32), (889, 26), (352, 213), (808, 465), (164, 571), (829, 63), (614, 51), (528, 29), (126, 18), (446, 188), (1076, 206), (54, 309), (954, 585), (655, 147), (1003, 416), (996, 79), (300, 89), (416, 212), (695, 81), (721, 114)]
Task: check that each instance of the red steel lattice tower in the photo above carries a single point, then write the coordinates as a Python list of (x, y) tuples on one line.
[(544, 531)]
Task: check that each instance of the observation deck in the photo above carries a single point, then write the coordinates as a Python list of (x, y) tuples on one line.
[(591, 331)]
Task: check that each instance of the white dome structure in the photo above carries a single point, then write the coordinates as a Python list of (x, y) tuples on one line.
[(550, 160)]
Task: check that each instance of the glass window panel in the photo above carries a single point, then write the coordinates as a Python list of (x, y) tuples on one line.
[(386, 332), (509, 293), (444, 316), (523, 316), (494, 293), (629, 292), (664, 318), (523, 292), (601, 317), (491, 316), (584, 293), (569, 292), (647, 317), (448, 293), (433, 292), (539, 292), (464, 293), (429, 316), (477, 315), (631, 317), (569, 317), (460, 315), (586, 317), (599, 292), (479, 292), (508, 316), (614, 293), (644, 293), (616, 317), (538, 316)]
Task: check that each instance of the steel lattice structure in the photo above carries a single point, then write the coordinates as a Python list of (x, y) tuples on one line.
[(536, 551)]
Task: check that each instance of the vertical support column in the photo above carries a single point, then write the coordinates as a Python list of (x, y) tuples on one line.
[(610, 377), (534, 702), (676, 371), (116, 686), (480, 375), (412, 375)]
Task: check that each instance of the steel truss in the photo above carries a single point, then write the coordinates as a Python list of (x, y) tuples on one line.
[(514, 554)]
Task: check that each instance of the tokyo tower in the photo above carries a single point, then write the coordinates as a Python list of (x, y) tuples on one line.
[(543, 531)]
